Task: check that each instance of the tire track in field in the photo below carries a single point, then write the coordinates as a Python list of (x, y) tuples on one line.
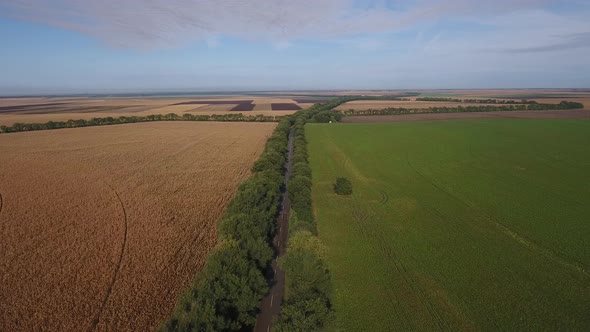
[(370, 231), (563, 198), (361, 216), (96, 320), (413, 284), (1, 204), (384, 197), (548, 253)]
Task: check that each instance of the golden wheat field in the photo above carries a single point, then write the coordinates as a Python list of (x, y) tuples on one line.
[(103, 227)]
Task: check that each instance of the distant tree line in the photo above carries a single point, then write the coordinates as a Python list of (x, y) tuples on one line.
[(226, 295), (564, 105), (231, 117)]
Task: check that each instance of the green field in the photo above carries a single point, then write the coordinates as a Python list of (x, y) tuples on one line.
[(456, 225)]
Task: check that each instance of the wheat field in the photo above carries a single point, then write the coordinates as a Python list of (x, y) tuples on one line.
[(102, 228)]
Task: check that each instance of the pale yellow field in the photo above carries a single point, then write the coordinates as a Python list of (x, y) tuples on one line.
[(263, 107), (103, 228)]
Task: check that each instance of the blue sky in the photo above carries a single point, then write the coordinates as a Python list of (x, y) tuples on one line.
[(61, 46)]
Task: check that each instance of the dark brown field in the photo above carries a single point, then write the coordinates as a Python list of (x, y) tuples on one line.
[(243, 107), (285, 107)]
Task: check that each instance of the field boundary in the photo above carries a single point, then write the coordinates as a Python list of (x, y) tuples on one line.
[(441, 116), (270, 306), (96, 320), (307, 305)]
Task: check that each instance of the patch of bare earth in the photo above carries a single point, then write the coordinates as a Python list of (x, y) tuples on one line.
[(103, 227)]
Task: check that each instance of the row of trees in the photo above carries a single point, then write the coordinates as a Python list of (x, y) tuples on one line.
[(227, 293), (564, 105), (233, 117), (307, 306), (560, 106)]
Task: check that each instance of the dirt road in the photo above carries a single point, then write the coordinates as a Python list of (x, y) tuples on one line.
[(270, 306), (564, 114)]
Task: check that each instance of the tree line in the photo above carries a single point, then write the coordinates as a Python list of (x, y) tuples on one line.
[(231, 117), (561, 105), (564, 105), (226, 295), (307, 305)]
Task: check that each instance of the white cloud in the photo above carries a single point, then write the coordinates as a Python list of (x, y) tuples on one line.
[(157, 23)]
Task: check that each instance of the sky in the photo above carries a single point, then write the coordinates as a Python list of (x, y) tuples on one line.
[(87, 46)]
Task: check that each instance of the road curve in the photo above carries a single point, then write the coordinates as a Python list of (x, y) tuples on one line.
[(270, 307)]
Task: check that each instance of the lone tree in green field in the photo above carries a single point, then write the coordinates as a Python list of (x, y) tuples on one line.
[(343, 186)]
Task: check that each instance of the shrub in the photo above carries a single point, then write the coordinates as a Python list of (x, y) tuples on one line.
[(343, 186), (305, 315)]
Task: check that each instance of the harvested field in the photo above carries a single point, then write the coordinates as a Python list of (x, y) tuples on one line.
[(216, 102), (564, 114), (103, 227), (305, 105), (263, 107), (244, 107), (310, 100), (285, 107), (361, 105), (178, 109), (19, 108)]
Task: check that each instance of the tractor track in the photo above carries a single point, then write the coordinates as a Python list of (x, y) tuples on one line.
[(548, 253), (384, 197), (96, 319), (363, 218)]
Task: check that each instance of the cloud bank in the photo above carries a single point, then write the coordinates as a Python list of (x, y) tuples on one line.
[(164, 23)]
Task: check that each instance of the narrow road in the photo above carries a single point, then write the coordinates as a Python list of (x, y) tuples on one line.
[(270, 306)]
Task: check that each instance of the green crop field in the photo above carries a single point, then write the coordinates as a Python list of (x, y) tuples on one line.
[(456, 225)]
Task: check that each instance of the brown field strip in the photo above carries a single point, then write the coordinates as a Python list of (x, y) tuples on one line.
[(243, 107), (361, 105), (215, 102), (285, 107), (563, 114), (103, 227)]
